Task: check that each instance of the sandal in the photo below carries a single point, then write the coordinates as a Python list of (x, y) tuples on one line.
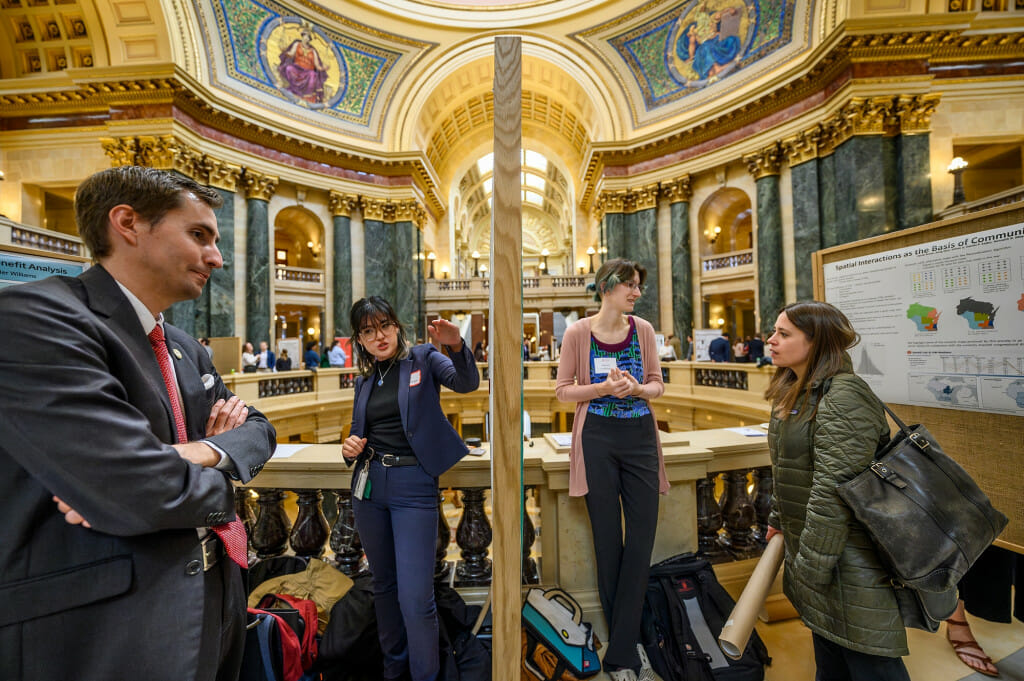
[(965, 650)]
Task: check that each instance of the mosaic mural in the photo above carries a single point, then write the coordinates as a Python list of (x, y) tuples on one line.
[(309, 66), (700, 42)]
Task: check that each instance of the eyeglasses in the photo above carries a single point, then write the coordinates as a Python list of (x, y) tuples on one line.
[(632, 285), (368, 333)]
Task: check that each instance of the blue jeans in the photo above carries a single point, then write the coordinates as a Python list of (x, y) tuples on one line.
[(836, 663), (400, 519)]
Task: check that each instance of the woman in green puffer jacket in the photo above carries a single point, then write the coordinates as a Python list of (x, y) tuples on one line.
[(826, 425)]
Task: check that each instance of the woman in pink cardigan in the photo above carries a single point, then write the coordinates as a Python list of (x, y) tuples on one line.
[(609, 367)]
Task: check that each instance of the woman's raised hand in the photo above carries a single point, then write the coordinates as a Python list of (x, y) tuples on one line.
[(617, 384), (636, 388), (445, 333), (352, 447)]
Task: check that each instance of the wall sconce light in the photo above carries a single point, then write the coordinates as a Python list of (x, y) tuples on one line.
[(581, 267), (956, 168), (721, 322), (431, 257), (476, 263), (591, 252), (712, 234), (314, 248), (483, 270), (444, 271), (544, 263), (310, 331)]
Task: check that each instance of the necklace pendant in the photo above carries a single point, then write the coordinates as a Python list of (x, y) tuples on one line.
[(380, 381)]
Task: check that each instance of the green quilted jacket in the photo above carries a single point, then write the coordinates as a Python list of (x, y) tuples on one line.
[(833, 574)]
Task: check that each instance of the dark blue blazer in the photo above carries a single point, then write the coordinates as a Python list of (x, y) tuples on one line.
[(434, 442)]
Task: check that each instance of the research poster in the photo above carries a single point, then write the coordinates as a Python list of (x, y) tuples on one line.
[(18, 268), (941, 323)]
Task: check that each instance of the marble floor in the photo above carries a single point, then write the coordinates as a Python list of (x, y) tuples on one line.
[(931, 658)]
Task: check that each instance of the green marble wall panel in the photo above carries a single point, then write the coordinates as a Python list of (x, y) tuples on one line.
[(845, 184), (380, 261), (863, 172), (643, 248), (615, 234), (404, 297), (890, 185), (342, 274), (221, 288), (827, 201), (257, 272), (807, 236), (682, 280), (770, 291), (182, 315), (915, 185)]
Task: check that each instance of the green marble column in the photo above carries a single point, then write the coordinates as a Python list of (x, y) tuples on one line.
[(221, 287), (682, 284), (827, 201), (642, 247), (380, 262), (257, 271), (615, 234), (914, 177), (771, 294), (403, 282), (342, 274), (863, 170), (807, 232)]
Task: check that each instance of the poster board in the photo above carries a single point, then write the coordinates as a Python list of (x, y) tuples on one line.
[(20, 265), (940, 311)]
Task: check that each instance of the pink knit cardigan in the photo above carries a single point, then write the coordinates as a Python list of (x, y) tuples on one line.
[(573, 385)]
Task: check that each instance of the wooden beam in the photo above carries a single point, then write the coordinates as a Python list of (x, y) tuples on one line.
[(506, 360)]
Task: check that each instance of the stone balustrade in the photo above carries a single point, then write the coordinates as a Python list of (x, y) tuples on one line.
[(546, 291), (26, 236)]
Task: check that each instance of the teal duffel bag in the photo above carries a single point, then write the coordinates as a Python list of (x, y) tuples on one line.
[(553, 624)]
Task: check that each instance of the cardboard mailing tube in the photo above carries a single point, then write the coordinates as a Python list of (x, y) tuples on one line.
[(737, 629)]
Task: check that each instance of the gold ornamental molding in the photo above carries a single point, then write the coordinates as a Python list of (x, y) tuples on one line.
[(121, 150), (221, 174), (612, 202), (377, 209), (915, 112), (258, 185), (645, 197), (342, 205), (410, 210), (802, 147), (766, 162), (677, 190), (169, 152)]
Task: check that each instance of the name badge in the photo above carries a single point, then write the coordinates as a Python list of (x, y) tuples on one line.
[(414, 379), (602, 365)]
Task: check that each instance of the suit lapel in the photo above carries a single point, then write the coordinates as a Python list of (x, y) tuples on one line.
[(362, 397), (404, 372), (105, 298)]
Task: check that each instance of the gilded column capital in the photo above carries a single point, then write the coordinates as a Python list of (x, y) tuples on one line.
[(342, 205), (613, 201), (868, 116), (121, 150), (644, 198), (915, 112), (764, 163), (258, 185), (221, 174), (802, 147), (158, 152), (677, 190), (410, 210), (377, 209)]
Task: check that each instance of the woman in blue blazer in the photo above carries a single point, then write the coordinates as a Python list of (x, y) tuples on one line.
[(401, 443)]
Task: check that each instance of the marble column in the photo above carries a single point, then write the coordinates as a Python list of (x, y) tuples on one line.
[(678, 193), (341, 206), (259, 189), (642, 247), (390, 238), (801, 152), (613, 206), (223, 177), (827, 201), (914, 155), (404, 296), (765, 166)]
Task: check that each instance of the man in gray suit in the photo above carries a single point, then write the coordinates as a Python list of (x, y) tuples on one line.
[(117, 442)]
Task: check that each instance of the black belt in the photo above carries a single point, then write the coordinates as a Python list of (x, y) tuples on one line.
[(389, 460), (213, 549)]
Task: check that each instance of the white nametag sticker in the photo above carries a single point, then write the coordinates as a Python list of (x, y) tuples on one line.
[(414, 378), (602, 365)]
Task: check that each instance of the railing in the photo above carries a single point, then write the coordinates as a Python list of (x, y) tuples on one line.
[(38, 238), (544, 291), (300, 274), (726, 530), (992, 201), (727, 260)]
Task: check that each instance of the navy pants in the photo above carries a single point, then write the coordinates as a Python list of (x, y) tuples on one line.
[(621, 460), (836, 663), (398, 529)]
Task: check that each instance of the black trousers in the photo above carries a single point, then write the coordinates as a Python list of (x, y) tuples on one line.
[(621, 461), (836, 663)]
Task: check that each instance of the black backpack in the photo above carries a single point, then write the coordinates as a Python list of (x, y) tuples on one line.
[(683, 615)]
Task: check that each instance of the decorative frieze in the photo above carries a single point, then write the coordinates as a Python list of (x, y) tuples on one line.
[(645, 198), (159, 152), (802, 147), (764, 163), (342, 205), (381, 210), (611, 202), (121, 150), (677, 190), (410, 210), (221, 174), (258, 185), (915, 112)]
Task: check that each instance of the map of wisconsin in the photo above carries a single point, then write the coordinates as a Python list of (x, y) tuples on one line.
[(926, 318), (978, 313)]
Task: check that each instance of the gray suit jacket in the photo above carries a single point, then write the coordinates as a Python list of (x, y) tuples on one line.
[(84, 415)]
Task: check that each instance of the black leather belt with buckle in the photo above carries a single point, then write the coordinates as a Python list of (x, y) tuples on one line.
[(213, 549), (389, 460)]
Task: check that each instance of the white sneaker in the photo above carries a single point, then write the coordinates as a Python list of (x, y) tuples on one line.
[(646, 671), (622, 675)]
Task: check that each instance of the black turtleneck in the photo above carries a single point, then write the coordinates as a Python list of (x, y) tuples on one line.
[(383, 418)]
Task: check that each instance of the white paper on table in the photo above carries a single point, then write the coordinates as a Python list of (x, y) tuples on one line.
[(562, 439), (748, 431), (284, 451)]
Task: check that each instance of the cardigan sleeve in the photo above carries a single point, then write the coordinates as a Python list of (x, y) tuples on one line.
[(568, 388)]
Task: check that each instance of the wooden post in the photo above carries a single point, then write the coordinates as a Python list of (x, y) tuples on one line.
[(506, 319)]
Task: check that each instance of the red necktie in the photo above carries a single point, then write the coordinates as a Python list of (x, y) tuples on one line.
[(232, 534)]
